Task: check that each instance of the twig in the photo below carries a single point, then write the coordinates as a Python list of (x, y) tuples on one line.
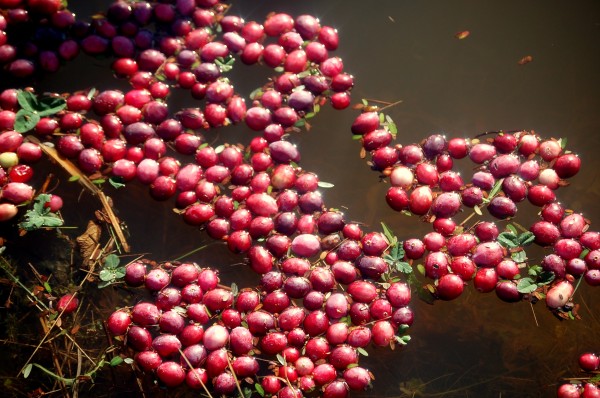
[(237, 383), (195, 373), (534, 317)]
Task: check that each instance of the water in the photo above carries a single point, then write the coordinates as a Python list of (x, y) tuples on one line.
[(406, 50)]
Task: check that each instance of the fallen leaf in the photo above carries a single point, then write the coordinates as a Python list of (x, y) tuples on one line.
[(525, 60), (462, 35)]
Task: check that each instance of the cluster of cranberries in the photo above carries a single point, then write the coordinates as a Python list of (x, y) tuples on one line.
[(510, 168), (589, 363), (204, 335)]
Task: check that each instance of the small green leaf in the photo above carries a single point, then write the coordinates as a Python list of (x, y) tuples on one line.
[(364, 102), (534, 270), (111, 261), (50, 105), (256, 93), (421, 269), (279, 69), (219, 149), (356, 137), (563, 142), (324, 184), (116, 361), (300, 123), (519, 257), (508, 239), (25, 120), (362, 351), (259, 389), (106, 275), (526, 285), (281, 360), (387, 232), (27, 370), (495, 189), (120, 272), (526, 238), (511, 228), (116, 182), (73, 178), (404, 267), (234, 289), (91, 93), (27, 100), (47, 287), (128, 361), (477, 210)]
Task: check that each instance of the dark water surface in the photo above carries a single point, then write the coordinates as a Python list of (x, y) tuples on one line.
[(475, 346)]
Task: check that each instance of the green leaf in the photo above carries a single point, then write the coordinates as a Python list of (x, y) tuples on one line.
[(116, 182), (111, 261), (526, 238), (50, 105), (362, 351), (421, 268), (381, 118), (259, 389), (120, 272), (563, 142), (25, 120), (519, 257), (27, 370), (526, 285), (508, 239), (534, 270), (256, 93), (364, 102), (545, 277), (279, 69), (300, 123), (73, 178), (116, 361), (403, 339), (389, 235), (107, 275), (511, 228), (91, 93), (404, 267), (128, 361), (324, 184), (27, 100), (234, 289), (47, 287), (495, 189), (477, 210), (281, 359)]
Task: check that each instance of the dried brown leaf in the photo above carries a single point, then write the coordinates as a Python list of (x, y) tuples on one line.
[(525, 60), (462, 35)]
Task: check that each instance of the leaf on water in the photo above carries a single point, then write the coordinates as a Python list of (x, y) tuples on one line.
[(25, 120), (116, 361), (387, 232), (27, 370), (324, 184), (526, 238), (495, 189), (519, 257), (477, 210), (259, 389), (50, 105), (279, 69), (381, 118), (120, 272), (362, 351), (281, 359), (525, 60), (404, 267), (421, 269), (128, 361), (526, 285), (511, 228), (116, 182), (234, 289), (219, 149), (73, 178), (91, 93), (508, 239), (563, 142), (111, 261), (106, 275), (40, 216), (47, 287), (462, 35), (364, 102)]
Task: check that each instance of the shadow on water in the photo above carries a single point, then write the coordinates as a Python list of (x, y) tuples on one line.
[(401, 50)]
